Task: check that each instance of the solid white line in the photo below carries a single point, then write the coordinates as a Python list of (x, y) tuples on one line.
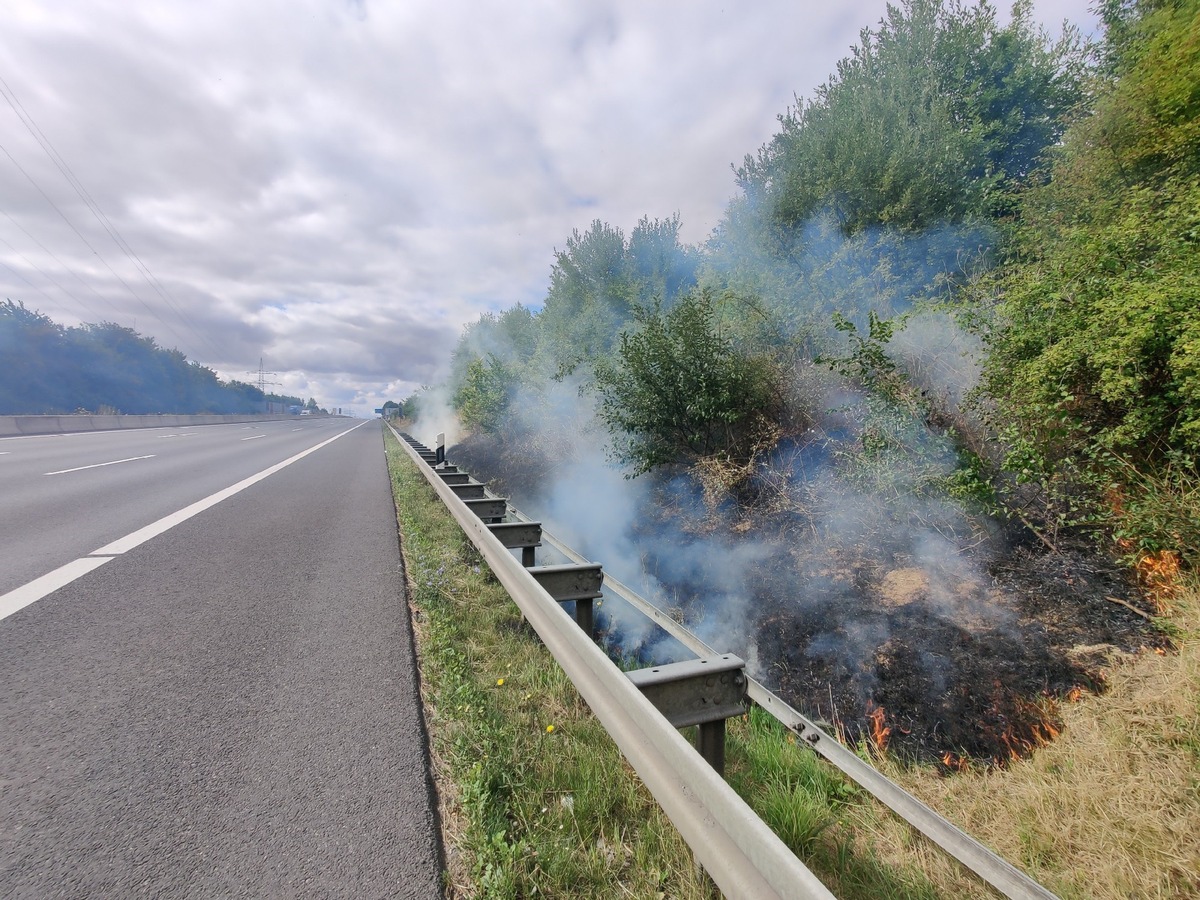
[(127, 543), (254, 438), (48, 583), (99, 465)]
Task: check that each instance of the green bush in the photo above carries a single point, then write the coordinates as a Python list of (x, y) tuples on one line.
[(1094, 360), (483, 396), (679, 390)]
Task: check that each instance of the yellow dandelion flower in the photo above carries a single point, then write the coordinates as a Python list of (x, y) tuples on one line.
[(549, 729), (499, 682)]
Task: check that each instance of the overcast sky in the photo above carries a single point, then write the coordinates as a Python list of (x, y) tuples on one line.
[(338, 186)]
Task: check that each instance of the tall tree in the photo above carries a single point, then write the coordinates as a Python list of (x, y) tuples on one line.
[(46, 368), (601, 278), (933, 118)]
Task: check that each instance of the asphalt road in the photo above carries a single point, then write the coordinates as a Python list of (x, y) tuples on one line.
[(63, 496), (227, 705)]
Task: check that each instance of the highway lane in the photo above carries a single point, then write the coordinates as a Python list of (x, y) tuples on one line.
[(227, 709), (47, 520)]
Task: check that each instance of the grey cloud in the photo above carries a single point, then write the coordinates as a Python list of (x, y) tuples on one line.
[(340, 186)]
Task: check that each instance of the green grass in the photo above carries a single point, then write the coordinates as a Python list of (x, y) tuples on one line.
[(814, 810), (536, 799)]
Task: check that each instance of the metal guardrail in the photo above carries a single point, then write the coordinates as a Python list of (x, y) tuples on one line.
[(740, 853), (988, 866)]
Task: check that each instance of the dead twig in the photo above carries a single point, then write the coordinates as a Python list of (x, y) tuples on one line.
[(1145, 615)]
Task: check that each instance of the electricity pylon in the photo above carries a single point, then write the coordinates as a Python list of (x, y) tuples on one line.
[(263, 384)]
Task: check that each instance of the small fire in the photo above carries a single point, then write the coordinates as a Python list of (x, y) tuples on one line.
[(954, 762), (880, 732), (1159, 575), (1038, 734), (1158, 572)]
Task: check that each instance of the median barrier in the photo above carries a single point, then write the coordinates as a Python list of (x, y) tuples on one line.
[(11, 426)]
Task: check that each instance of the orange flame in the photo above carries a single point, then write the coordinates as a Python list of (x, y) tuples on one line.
[(954, 762), (1039, 731), (880, 732), (1159, 575)]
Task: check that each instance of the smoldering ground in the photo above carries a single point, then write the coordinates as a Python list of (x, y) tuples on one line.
[(839, 564)]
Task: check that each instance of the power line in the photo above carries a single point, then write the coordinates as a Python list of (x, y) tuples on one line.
[(26, 280), (112, 230), (86, 242), (44, 274), (53, 256)]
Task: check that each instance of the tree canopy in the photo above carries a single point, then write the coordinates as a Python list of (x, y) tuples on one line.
[(1042, 191), (48, 368)]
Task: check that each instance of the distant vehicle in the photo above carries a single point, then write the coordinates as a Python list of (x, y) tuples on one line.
[(306, 412)]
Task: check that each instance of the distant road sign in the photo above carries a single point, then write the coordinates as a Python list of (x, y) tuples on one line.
[(379, 412)]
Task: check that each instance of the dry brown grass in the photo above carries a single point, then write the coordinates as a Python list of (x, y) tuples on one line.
[(1110, 809)]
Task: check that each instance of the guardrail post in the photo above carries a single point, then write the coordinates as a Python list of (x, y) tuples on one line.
[(580, 583), (702, 692), (526, 535), (710, 741), (490, 509), (471, 490)]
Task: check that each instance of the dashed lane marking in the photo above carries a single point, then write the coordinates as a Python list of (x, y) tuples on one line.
[(99, 465), (35, 590)]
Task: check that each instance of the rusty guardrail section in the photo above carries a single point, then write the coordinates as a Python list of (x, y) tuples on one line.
[(741, 854), (522, 533)]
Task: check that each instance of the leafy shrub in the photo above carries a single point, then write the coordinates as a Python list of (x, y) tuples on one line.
[(1094, 360), (679, 390), (483, 395)]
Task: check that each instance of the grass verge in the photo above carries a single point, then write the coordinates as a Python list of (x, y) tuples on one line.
[(1111, 809), (537, 800)]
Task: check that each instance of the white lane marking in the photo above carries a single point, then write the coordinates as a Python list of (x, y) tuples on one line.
[(254, 438), (99, 465), (34, 437), (38, 588), (34, 590), (127, 543)]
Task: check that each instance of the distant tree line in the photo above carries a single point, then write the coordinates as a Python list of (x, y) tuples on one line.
[(46, 368), (1038, 197)]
